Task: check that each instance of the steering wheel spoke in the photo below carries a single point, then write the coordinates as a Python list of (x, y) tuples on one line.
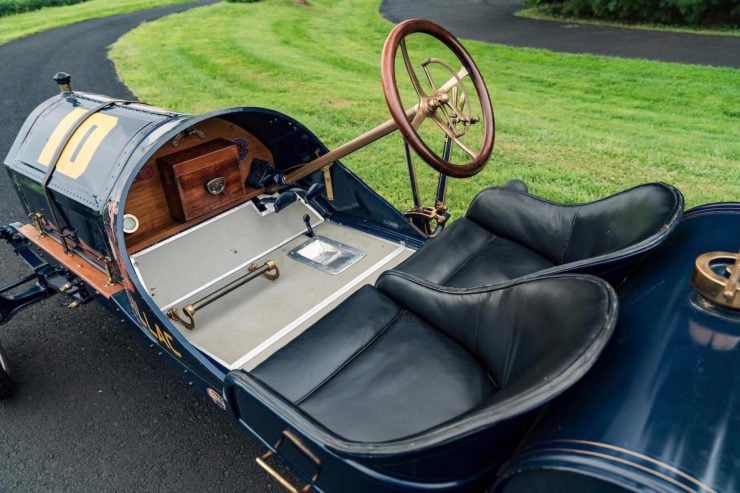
[(450, 132), (425, 67), (460, 75), (410, 69), (444, 117), (418, 119)]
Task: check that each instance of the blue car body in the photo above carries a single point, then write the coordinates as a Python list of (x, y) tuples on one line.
[(659, 412)]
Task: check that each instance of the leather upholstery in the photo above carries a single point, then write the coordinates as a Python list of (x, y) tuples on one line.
[(508, 233), (404, 357), (468, 255)]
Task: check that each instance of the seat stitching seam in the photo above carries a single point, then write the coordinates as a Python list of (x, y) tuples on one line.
[(470, 257), (350, 359), (493, 382), (476, 340)]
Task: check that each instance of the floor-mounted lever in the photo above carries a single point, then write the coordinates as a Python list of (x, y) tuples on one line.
[(309, 229)]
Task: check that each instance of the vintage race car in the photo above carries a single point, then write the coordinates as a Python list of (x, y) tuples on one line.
[(374, 350)]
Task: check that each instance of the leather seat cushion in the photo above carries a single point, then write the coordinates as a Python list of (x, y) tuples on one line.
[(480, 257), (369, 360)]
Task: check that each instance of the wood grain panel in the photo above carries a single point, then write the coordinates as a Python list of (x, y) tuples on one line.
[(146, 198), (185, 176)]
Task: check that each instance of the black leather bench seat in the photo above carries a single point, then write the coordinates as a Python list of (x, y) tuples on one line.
[(404, 357), (374, 371), (508, 233)]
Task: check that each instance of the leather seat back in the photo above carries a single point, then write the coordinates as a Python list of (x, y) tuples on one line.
[(522, 334), (568, 233), (621, 220)]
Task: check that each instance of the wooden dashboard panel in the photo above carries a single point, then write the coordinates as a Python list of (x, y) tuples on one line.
[(146, 198)]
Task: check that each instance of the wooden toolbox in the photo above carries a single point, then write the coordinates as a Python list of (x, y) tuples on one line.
[(201, 179)]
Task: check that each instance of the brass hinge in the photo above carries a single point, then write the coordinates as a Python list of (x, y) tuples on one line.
[(108, 262)]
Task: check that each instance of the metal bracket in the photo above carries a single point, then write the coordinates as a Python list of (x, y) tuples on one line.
[(422, 218), (12, 304), (187, 133), (109, 269), (38, 221), (328, 183), (46, 280)]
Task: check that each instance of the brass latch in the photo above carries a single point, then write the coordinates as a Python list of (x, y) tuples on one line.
[(262, 461), (269, 269)]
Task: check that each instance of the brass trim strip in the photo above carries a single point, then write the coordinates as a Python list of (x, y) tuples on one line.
[(328, 183), (646, 458), (626, 462)]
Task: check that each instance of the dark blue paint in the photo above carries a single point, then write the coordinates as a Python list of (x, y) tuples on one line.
[(661, 409), (462, 464), (662, 405)]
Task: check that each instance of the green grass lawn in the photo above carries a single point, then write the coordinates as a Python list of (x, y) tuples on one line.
[(19, 25), (574, 127)]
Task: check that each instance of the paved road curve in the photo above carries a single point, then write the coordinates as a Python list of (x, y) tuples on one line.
[(97, 410), (494, 21)]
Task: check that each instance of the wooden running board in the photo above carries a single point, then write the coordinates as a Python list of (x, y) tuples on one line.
[(77, 265)]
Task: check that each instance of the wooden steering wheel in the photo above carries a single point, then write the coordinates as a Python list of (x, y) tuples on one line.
[(445, 104)]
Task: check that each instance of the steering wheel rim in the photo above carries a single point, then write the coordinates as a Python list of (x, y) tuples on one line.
[(425, 110)]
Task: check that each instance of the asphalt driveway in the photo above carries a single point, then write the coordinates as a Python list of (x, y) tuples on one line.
[(97, 410), (494, 21)]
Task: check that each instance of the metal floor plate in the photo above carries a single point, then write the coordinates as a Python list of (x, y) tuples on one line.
[(326, 255)]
